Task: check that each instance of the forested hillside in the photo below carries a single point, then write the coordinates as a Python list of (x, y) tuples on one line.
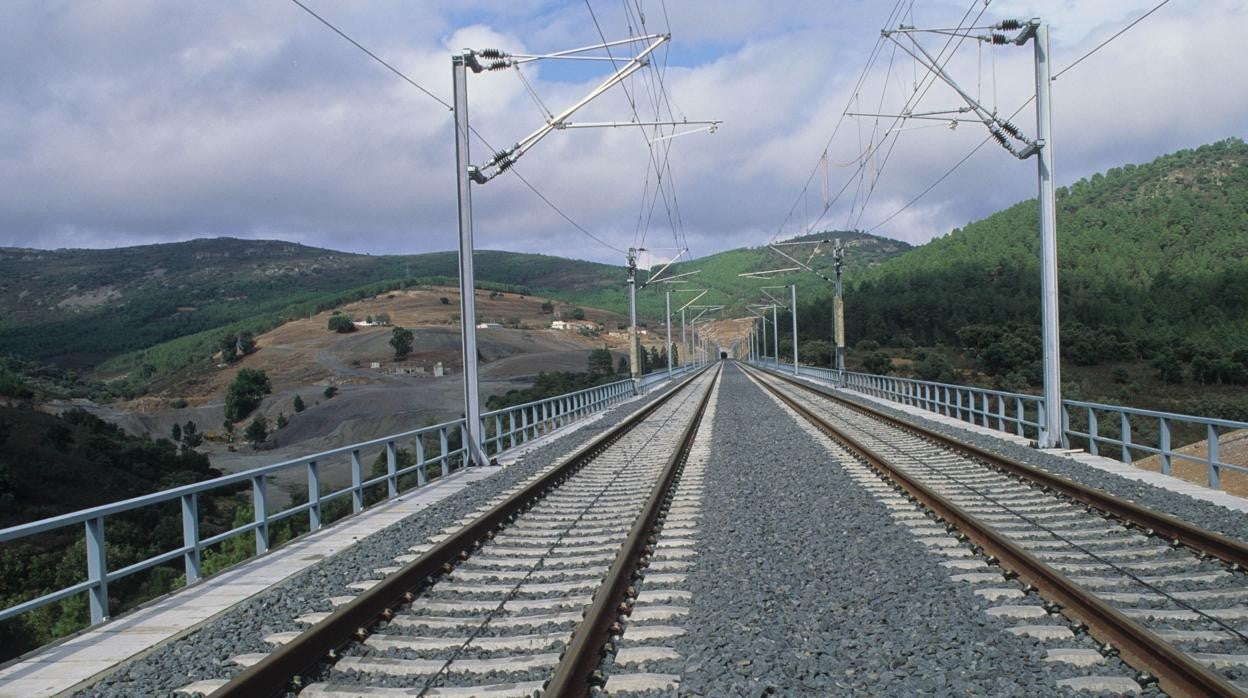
[(79, 307), (52, 465), (1155, 251), (1153, 269), (145, 312)]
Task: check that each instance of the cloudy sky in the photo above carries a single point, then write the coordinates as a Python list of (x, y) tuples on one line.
[(133, 121)]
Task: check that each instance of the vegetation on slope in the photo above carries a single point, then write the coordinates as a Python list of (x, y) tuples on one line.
[(1153, 271), (53, 465)]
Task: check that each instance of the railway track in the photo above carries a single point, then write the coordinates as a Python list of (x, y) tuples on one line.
[(1171, 598), (527, 597)]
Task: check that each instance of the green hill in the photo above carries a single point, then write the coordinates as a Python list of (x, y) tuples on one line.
[(155, 309), (1153, 282), (1156, 252), (80, 307)]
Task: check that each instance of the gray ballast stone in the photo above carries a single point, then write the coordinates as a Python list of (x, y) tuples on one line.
[(206, 653), (807, 585), (1204, 514), (804, 585)]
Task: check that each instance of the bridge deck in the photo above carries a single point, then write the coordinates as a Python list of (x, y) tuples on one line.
[(95, 652)]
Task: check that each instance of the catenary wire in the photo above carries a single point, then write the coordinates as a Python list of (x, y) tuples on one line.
[(1030, 99), (372, 55), (546, 200), (1119, 33)]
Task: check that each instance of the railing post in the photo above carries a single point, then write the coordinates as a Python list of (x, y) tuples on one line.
[(1021, 415), (1040, 420), (357, 479), (987, 410), (446, 457), (97, 570), (1001, 413), (1092, 447), (463, 449), (1215, 456), (1125, 435), (1164, 446), (190, 536), (1064, 440), (420, 460), (498, 434), (314, 497), (260, 514), (392, 467), (511, 427)]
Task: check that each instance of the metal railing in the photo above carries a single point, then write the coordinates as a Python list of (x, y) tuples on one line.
[(660, 374), (1131, 430), (435, 451)]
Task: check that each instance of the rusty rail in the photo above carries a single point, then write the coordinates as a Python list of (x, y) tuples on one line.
[(584, 653), (1177, 673), (280, 671)]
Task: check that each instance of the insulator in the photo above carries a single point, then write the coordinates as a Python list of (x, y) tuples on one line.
[(1010, 129), (1010, 25), (1000, 39), (490, 53), (1000, 138), (498, 65), (505, 165)]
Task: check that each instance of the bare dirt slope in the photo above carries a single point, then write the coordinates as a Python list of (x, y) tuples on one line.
[(304, 358)]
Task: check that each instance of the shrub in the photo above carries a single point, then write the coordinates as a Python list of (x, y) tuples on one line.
[(331, 391), (341, 324), (299, 406), (934, 366), (257, 431), (401, 339), (245, 393), (877, 362)]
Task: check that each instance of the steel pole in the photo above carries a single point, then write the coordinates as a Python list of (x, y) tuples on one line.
[(763, 346), (467, 300), (793, 307), (838, 325), (1051, 430), (667, 304), (775, 333), (684, 343), (634, 362)]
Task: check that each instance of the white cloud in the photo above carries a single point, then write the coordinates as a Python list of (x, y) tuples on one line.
[(126, 122)]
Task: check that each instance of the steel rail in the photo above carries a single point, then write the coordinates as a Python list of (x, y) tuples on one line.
[(1223, 547), (280, 671), (584, 653), (1177, 673)]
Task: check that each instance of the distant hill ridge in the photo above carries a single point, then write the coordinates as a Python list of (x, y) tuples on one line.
[(80, 307), (1157, 252)]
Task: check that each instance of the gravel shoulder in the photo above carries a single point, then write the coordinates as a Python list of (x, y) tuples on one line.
[(206, 653)]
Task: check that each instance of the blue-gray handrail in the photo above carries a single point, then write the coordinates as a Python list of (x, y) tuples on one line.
[(504, 429), (1024, 415)]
